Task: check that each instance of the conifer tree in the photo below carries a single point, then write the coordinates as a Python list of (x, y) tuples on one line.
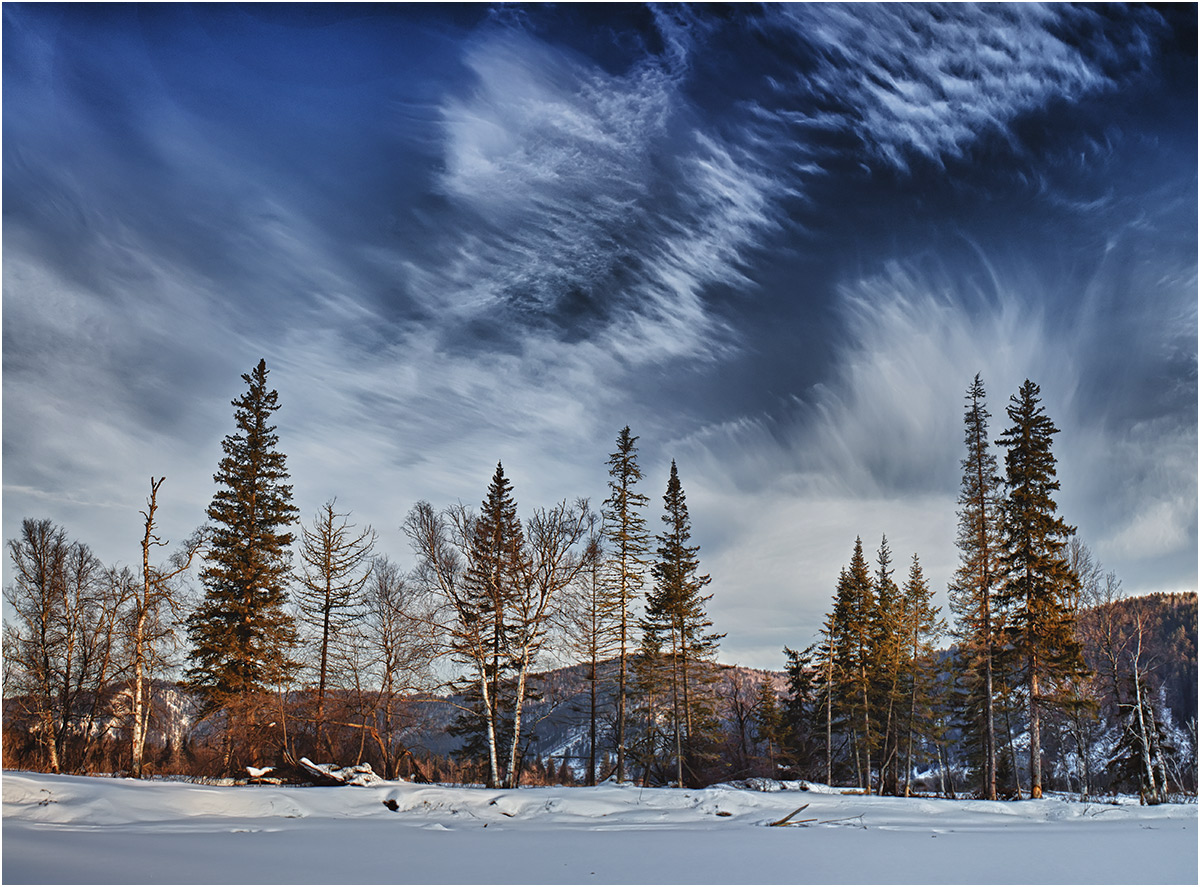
[(241, 633), (922, 626), (853, 637), (628, 544), (675, 609), (803, 712), (769, 726), (1038, 580), (887, 666), (495, 568), (973, 589)]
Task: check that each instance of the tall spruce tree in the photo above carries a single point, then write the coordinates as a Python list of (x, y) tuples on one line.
[(922, 626), (241, 633), (1038, 579), (973, 589), (628, 546), (887, 667), (495, 568), (852, 628), (676, 609)]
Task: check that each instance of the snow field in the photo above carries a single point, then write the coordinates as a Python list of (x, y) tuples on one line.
[(67, 829)]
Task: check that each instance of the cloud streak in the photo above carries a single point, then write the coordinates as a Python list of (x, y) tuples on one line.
[(778, 243)]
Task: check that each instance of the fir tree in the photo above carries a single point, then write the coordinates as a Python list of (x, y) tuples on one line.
[(1037, 577), (495, 569), (887, 666), (628, 543), (853, 641), (922, 626), (241, 633), (769, 727), (802, 715), (972, 591), (676, 610)]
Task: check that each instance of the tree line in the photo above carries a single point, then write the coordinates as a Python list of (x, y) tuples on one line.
[(289, 657), (1038, 646), (307, 642)]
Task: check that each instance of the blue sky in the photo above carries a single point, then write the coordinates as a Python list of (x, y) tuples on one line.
[(778, 242)]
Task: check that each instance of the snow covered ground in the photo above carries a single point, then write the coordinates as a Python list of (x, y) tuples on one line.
[(70, 829)]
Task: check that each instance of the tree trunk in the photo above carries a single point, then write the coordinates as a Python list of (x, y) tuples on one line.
[(489, 717), (621, 682), (591, 780), (513, 775), (1035, 732), (139, 730)]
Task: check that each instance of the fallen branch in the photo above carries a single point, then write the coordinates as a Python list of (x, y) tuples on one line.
[(847, 819), (785, 819)]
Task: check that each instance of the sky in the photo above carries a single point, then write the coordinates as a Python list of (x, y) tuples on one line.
[(777, 242)]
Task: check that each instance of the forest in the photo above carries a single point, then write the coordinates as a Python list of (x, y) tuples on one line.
[(305, 644)]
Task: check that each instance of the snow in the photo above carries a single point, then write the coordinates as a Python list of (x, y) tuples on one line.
[(73, 829)]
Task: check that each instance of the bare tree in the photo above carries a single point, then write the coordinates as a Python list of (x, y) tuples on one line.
[(335, 568), (398, 637), (60, 651), (498, 615), (155, 611), (591, 629), (442, 542), (554, 562)]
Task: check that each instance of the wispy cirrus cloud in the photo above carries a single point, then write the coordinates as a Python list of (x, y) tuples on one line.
[(589, 202), (930, 80)]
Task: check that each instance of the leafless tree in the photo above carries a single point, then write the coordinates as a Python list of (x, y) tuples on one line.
[(335, 568), (156, 609), (59, 653)]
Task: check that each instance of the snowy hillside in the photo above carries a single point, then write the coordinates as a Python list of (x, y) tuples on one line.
[(68, 829)]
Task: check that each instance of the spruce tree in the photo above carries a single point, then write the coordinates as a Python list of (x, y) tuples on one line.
[(676, 609), (803, 714), (495, 568), (973, 589), (769, 727), (241, 633), (628, 544), (853, 641), (922, 626), (887, 667), (1038, 580)]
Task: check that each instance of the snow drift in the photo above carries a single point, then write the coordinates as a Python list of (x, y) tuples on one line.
[(70, 829)]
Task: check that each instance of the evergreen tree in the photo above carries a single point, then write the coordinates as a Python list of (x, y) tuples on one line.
[(769, 727), (887, 667), (853, 641), (628, 544), (1037, 577), (675, 610), (973, 589), (494, 572), (922, 626), (803, 713), (241, 633)]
